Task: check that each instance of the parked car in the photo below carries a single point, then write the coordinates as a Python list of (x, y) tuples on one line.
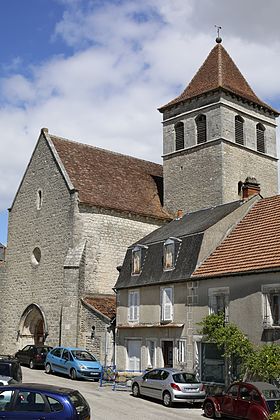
[(75, 362), (10, 366), (32, 355), (37, 401), (244, 400), (169, 385), (7, 380)]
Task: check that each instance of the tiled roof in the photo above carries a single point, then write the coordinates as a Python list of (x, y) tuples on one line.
[(218, 71), (105, 304), (111, 180), (253, 245)]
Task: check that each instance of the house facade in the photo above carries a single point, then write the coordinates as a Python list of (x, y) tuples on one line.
[(69, 226), (219, 162)]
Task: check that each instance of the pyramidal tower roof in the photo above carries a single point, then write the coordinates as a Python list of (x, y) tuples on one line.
[(219, 72)]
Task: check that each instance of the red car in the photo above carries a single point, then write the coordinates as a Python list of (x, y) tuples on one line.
[(243, 400)]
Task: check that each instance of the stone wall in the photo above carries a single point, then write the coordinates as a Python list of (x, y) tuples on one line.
[(47, 228)]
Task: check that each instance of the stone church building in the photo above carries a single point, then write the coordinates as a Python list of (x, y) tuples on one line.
[(78, 207)]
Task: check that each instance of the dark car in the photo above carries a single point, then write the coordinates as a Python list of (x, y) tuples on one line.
[(38, 401), (244, 400), (10, 366), (33, 356), (170, 386)]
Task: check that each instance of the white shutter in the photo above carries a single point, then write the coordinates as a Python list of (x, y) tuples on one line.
[(133, 305), (167, 304), (136, 307), (130, 306)]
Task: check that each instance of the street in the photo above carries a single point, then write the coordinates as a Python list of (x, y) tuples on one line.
[(107, 404)]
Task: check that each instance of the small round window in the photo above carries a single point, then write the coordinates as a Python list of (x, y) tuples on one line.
[(36, 256)]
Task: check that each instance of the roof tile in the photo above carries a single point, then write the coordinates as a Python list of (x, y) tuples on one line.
[(105, 304)]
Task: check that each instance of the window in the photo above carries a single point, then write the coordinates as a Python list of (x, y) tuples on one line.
[(168, 254), (218, 301), (36, 256), (136, 260), (181, 351), (39, 199), (179, 135), (260, 138), (201, 131), (54, 404), (167, 304), (271, 295), (239, 134), (151, 347), (133, 305)]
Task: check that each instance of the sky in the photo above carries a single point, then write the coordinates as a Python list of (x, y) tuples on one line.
[(96, 71)]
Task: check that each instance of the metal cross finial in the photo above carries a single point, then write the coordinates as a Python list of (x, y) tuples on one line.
[(218, 39)]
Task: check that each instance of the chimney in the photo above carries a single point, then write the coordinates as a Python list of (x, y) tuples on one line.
[(179, 214), (250, 187)]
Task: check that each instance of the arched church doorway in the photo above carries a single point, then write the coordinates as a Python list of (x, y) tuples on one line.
[(32, 326)]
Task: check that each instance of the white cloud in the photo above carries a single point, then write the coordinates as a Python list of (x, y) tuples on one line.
[(129, 58)]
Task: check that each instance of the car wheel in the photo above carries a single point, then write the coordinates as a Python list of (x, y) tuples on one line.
[(209, 410), (167, 400), (135, 390), (31, 364), (48, 368), (73, 374)]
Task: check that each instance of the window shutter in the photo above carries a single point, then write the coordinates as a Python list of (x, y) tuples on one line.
[(130, 306), (136, 306), (239, 133), (167, 304), (179, 135), (201, 129), (260, 138)]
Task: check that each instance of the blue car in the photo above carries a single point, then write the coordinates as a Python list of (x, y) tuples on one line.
[(74, 362), (38, 401)]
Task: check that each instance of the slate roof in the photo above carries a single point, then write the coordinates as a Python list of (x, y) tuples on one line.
[(105, 304), (190, 229), (218, 72), (111, 180), (253, 245)]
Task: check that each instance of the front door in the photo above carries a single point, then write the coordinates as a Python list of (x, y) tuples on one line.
[(134, 354), (167, 353)]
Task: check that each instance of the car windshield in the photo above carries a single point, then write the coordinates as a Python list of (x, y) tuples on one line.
[(271, 394), (184, 378), (4, 369), (83, 355)]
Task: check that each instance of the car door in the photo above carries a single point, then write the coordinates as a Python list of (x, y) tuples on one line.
[(22, 354), (54, 358), (229, 400), (148, 383), (65, 361), (244, 401), (28, 405)]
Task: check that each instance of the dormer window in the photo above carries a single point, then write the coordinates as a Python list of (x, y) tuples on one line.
[(239, 132), (169, 255), (136, 260), (260, 129), (179, 136), (201, 131)]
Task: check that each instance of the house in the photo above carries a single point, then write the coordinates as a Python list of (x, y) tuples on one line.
[(219, 156), (73, 216)]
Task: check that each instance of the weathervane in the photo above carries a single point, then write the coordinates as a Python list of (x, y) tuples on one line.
[(218, 39)]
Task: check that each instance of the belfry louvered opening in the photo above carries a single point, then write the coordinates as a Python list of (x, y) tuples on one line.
[(260, 130), (179, 135), (201, 129), (239, 131)]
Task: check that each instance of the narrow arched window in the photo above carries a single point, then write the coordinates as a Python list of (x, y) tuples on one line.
[(239, 132), (201, 129), (260, 138), (179, 135)]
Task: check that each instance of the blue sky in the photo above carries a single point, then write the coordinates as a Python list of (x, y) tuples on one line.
[(96, 71)]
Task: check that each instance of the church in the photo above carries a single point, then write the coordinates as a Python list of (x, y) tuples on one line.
[(94, 236)]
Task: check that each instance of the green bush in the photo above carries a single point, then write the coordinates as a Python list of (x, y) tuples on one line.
[(275, 416)]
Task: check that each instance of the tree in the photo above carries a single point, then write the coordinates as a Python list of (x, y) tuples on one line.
[(264, 363), (229, 338)]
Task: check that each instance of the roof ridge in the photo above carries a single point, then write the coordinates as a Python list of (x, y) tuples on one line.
[(103, 150)]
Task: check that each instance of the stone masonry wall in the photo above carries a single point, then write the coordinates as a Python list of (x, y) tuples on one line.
[(108, 235), (48, 229)]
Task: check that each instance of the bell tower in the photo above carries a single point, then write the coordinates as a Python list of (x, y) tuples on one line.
[(216, 134)]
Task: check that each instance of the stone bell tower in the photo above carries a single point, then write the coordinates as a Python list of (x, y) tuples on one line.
[(215, 135)]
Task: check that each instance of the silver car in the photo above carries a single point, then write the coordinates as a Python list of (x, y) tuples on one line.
[(7, 380), (169, 385)]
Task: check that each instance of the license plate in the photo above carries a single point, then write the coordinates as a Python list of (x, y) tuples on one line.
[(93, 374), (191, 389)]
